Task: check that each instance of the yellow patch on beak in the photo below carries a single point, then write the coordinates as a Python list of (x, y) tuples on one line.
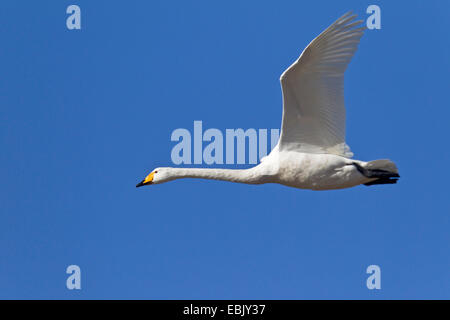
[(146, 181), (149, 178)]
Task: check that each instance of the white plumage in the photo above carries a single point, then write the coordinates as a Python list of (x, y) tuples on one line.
[(311, 152), (313, 91)]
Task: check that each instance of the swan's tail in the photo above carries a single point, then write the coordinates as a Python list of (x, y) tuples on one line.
[(383, 171)]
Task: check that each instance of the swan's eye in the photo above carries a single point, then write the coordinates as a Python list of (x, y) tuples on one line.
[(156, 171)]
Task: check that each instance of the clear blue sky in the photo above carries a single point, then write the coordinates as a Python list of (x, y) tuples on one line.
[(86, 114)]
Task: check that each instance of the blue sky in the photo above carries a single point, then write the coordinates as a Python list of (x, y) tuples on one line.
[(86, 114)]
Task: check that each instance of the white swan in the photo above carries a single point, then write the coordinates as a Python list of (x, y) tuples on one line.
[(311, 152)]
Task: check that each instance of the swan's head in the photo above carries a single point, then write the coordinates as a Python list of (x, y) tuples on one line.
[(159, 175)]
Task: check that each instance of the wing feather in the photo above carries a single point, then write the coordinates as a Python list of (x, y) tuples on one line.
[(313, 91)]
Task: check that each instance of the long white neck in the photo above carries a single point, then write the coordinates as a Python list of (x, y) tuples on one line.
[(249, 176)]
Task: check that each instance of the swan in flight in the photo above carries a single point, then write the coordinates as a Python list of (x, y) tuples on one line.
[(311, 152)]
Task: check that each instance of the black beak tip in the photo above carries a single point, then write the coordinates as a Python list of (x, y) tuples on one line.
[(140, 184)]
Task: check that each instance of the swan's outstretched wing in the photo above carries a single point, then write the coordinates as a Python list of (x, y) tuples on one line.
[(313, 91)]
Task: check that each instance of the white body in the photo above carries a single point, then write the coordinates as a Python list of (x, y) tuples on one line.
[(289, 168), (312, 171)]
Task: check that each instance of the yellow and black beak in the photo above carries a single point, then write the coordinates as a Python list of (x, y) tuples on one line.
[(148, 180)]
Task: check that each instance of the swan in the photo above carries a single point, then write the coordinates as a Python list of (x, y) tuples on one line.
[(311, 152)]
